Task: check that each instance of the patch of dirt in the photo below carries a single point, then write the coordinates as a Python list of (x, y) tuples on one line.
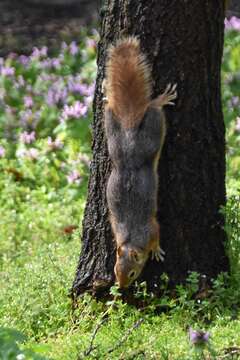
[(24, 25)]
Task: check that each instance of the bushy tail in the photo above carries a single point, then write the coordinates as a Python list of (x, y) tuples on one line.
[(128, 83)]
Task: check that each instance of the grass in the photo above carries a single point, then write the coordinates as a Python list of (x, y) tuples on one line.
[(42, 200)]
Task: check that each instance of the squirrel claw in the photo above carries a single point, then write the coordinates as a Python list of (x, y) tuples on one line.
[(166, 98), (167, 89), (170, 93), (158, 254)]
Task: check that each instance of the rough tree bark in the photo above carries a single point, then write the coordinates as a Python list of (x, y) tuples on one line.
[(184, 43)]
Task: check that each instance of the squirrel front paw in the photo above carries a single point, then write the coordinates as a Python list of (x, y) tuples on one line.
[(158, 254), (167, 97), (170, 94)]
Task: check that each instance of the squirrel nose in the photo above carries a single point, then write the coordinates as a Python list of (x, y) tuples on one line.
[(122, 283)]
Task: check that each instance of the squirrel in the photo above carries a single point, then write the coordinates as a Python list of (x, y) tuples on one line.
[(135, 130)]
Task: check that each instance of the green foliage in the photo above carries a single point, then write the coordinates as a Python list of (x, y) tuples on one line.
[(232, 227), (45, 141), (9, 346), (231, 106)]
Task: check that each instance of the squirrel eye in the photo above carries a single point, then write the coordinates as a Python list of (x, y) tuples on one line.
[(131, 274)]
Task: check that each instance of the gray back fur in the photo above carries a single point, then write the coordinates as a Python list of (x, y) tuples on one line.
[(132, 186)]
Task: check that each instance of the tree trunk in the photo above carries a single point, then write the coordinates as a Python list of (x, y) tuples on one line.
[(184, 43)]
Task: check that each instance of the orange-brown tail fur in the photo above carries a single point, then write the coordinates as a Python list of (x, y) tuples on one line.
[(128, 84)]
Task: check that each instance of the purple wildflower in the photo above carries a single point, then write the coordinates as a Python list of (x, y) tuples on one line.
[(2, 151), (29, 87), (64, 46), (56, 64), (91, 89), (56, 95), (46, 77), (95, 33), (24, 60), (37, 53), (88, 100), (235, 101), (75, 87), (45, 64), (12, 55), (28, 101), (91, 43), (198, 337), (44, 51), (21, 81), (74, 111), (55, 144), (83, 158), (27, 138), (82, 89), (237, 126), (28, 119), (51, 98), (74, 177), (7, 71), (9, 110), (232, 24), (31, 153), (73, 48)]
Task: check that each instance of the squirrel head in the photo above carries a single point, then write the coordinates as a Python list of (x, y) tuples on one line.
[(129, 264)]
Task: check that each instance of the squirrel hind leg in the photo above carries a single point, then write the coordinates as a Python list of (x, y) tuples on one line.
[(166, 98), (156, 252)]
